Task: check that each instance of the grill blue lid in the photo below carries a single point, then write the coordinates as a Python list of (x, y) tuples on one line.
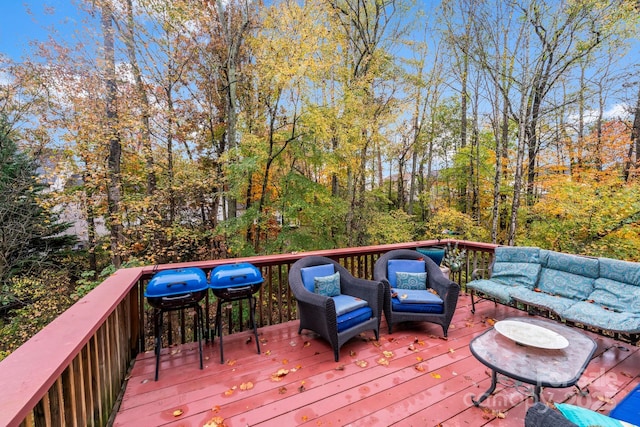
[(175, 282), (232, 275)]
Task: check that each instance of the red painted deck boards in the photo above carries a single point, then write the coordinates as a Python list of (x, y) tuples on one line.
[(428, 380)]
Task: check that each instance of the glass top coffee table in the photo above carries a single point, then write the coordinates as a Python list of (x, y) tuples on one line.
[(537, 352)]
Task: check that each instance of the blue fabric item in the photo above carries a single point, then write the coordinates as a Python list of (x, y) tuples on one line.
[(566, 284), (594, 315), (493, 289), (436, 254), (515, 273), (586, 418), (403, 265), (329, 286), (620, 271), (309, 273), (575, 264), (353, 318), (554, 303), (628, 409), (616, 295), (517, 254), (416, 281), (347, 303), (412, 296)]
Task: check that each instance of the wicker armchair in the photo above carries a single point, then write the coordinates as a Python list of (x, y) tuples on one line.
[(446, 289), (318, 312)]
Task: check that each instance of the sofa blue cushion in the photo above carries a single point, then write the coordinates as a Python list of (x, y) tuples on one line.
[(628, 409), (353, 318), (347, 303), (417, 281), (329, 286), (616, 295), (575, 264), (517, 254), (566, 284), (495, 290), (403, 265), (309, 273), (516, 273), (620, 271), (592, 314), (555, 303)]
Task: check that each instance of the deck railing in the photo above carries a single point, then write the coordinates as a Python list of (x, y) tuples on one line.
[(72, 372)]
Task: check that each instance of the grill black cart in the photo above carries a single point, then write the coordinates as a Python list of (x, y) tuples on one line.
[(235, 282), (172, 290)]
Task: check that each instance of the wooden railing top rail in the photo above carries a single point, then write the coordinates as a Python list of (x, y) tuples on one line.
[(29, 372)]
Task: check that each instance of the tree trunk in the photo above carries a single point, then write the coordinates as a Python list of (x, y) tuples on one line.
[(115, 150)]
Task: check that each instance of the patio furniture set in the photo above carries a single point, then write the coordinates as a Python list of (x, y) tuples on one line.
[(408, 286)]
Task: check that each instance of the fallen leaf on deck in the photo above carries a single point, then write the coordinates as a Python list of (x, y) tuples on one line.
[(282, 390), (361, 363), (412, 347), (248, 340), (306, 344), (285, 361), (278, 376), (216, 409), (491, 321), (340, 368), (388, 354), (215, 422), (301, 388), (177, 412), (451, 350), (626, 374), (228, 392), (376, 344), (605, 399), (267, 353), (293, 343), (352, 353), (419, 358), (435, 375), (382, 361), (420, 367), (501, 415), (305, 418), (231, 362), (246, 386)]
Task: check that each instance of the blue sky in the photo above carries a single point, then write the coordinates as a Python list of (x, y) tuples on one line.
[(22, 21)]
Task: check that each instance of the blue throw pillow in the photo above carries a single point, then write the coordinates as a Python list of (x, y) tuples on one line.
[(414, 281), (586, 418), (328, 286)]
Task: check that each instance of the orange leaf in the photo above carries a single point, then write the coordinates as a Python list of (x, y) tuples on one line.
[(382, 361), (436, 375), (361, 363), (419, 367), (215, 422), (306, 344), (246, 386), (388, 354), (177, 412)]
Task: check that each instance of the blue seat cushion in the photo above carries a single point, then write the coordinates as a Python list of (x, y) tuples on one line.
[(416, 301), (595, 315), (495, 290), (628, 409), (353, 318), (555, 303), (310, 273), (347, 303), (403, 266), (584, 417)]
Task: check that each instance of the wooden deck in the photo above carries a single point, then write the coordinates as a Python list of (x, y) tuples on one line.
[(409, 378)]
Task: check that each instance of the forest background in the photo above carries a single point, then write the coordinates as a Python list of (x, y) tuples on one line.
[(205, 129)]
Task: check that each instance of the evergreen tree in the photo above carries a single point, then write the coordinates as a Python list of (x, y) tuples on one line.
[(30, 233)]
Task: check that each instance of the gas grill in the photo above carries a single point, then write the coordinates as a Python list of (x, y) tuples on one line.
[(235, 282), (172, 290)]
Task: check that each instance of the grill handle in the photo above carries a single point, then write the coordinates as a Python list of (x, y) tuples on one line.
[(169, 285), (238, 276), (240, 289), (177, 297)]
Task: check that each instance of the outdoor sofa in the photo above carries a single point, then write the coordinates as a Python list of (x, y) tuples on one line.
[(599, 293)]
